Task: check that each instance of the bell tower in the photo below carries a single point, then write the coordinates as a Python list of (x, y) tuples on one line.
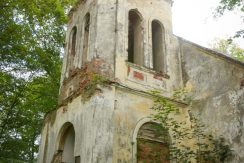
[(115, 52), (113, 33)]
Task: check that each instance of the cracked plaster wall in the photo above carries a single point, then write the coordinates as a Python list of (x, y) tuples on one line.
[(215, 84)]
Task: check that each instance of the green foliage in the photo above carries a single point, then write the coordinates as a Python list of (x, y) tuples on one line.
[(230, 5), (204, 148), (23, 106), (31, 41), (181, 95), (229, 48)]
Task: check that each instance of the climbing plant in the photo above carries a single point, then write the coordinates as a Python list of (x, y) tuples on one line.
[(189, 141)]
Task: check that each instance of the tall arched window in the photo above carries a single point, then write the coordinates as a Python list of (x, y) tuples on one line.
[(72, 48), (135, 38), (158, 46), (152, 143), (73, 40), (86, 37)]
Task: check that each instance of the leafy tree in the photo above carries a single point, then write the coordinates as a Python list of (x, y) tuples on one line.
[(31, 41), (230, 5), (229, 48)]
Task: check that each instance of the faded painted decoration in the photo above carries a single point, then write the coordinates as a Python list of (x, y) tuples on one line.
[(130, 44)]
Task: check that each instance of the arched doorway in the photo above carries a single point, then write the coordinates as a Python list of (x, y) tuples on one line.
[(69, 144), (66, 145), (152, 144)]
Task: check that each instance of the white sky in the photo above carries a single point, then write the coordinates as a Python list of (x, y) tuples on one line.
[(193, 20)]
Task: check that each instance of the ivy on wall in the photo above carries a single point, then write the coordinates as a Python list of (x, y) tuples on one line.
[(189, 141)]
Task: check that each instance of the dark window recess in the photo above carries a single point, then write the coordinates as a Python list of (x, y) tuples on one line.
[(71, 49), (135, 38), (86, 38), (73, 42), (158, 46), (77, 159)]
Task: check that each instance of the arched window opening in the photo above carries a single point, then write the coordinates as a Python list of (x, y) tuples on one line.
[(135, 38), (72, 49), (158, 46), (73, 40), (86, 37), (152, 143), (66, 145)]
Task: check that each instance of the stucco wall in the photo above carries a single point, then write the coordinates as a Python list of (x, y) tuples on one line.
[(101, 41), (93, 125), (106, 125), (215, 84)]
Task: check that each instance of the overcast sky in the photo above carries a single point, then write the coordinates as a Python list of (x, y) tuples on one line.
[(193, 20)]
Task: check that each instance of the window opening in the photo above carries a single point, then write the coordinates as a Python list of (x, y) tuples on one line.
[(72, 49), (135, 38), (86, 38), (157, 46)]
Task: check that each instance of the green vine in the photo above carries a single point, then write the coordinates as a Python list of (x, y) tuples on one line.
[(200, 147)]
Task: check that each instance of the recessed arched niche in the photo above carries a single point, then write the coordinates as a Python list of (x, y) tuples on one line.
[(86, 29), (158, 45), (135, 38), (152, 143), (72, 49)]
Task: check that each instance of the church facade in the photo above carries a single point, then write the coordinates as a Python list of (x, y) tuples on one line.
[(130, 43)]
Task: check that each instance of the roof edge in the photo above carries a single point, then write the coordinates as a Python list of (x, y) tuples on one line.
[(213, 52)]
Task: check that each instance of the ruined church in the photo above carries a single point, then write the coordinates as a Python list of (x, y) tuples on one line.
[(116, 51)]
